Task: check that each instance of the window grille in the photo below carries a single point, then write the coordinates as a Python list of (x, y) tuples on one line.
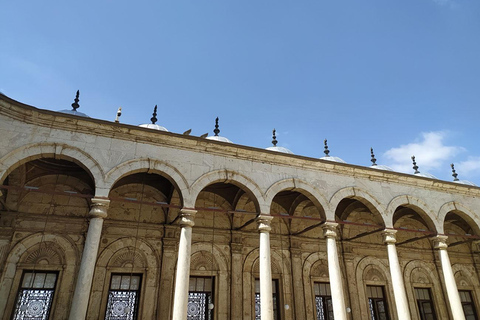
[(425, 304), (35, 295), (377, 303), (323, 301), (200, 296), (123, 297), (468, 305), (275, 298)]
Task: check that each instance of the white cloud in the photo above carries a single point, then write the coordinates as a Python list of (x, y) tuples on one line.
[(430, 153), (470, 167)]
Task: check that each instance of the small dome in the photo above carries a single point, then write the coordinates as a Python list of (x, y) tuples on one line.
[(75, 106), (216, 137), (425, 175), (456, 180), (279, 149), (334, 159), (327, 156), (381, 167), (75, 113), (219, 138), (418, 174), (275, 148), (152, 125), (466, 182), (374, 163)]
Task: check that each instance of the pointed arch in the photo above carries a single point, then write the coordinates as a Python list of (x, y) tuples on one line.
[(465, 213), (227, 176), (361, 195), (149, 166), (63, 151), (293, 184), (418, 205)]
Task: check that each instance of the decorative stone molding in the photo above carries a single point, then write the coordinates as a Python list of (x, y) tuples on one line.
[(389, 236), (99, 208), (440, 242), (330, 229), (264, 223), (187, 217)]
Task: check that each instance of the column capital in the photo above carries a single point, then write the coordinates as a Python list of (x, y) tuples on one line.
[(99, 208), (389, 236), (187, 217), (440, 242), (330, 229), (263, 223)]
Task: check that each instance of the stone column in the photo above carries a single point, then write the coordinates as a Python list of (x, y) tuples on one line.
[(266, 297), (297, 276), (167, 273), (399, 293), (236, 290), (182, 279), (97, 213), (334, 271), (440, 243)]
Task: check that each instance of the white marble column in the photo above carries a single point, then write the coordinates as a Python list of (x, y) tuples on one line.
[(334, 271), (399, 293), (266, 297), (182, 279), (440, 243), (97, 213)]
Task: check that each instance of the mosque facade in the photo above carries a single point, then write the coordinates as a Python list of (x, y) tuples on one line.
[(105, 220)]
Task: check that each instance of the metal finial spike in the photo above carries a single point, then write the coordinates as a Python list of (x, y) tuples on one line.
[(454, 174), (374, 161), (415, 167), (119, 113), (274, 137), (326, 151), (75, 105), (216, 131), (154, 118)]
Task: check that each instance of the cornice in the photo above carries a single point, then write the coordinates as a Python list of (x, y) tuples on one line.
[(50, 119)]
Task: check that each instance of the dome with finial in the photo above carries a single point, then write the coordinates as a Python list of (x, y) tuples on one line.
[(417, 173), (327, 156), (154, 120), (216, 131), (75, 106), (375, 165), (275, 148), (456, 180)]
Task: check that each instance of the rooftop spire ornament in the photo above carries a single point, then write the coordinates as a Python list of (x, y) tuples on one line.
[(454, 173), (274, 137), (154, 117), (415, 167), (216, 131), (75, 105), (326, 151), (374, 161)]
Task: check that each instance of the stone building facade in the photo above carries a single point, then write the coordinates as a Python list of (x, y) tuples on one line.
[(103, 220)]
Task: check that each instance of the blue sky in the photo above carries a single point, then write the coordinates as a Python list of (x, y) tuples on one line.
[(402, 77)]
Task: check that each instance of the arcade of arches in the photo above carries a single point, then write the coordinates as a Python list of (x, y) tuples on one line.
[(109, 221)]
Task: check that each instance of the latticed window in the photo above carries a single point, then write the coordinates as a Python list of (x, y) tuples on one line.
[(200, 299), (35, 296), (468, 305), (425, 304), (123, 297), (323, 301), (377, 303), (276, 301)]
